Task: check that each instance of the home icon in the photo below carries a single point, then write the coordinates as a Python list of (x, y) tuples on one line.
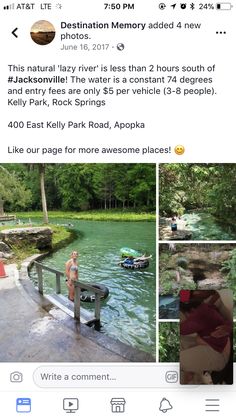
[(118, 405)]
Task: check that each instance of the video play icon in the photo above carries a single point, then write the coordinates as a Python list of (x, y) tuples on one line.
[(70, 405)]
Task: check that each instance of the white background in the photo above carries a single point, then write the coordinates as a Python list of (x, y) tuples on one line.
[(204, 125)]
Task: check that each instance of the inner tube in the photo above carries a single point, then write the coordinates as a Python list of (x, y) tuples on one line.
[(126, 251), (90, 298), (136, 265)]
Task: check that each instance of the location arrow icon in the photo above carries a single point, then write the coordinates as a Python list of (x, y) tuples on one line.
[(14, 32)]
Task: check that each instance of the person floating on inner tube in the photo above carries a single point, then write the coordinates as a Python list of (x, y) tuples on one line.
[(72, 274), (130, 260), (142, 258)]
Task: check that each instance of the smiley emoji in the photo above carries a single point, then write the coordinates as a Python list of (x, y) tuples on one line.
[(179, 149)]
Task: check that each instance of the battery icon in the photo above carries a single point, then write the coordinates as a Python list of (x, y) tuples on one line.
[(224, 6)]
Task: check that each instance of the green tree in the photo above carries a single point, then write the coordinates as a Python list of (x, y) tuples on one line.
[(190, 186), (142, 178), (76, 187), (12, 191), (169, 342), (41, 168)]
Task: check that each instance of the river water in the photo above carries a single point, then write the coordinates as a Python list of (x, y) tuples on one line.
[(206, 227), (129, 312)]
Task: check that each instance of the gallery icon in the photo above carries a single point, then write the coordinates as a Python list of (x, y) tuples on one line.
[(118, 405), (70, 405), (23, 405)]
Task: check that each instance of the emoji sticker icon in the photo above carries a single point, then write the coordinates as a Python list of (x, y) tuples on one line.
[(179, 149)]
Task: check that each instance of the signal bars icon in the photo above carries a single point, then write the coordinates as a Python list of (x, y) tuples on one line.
[(9, 6)]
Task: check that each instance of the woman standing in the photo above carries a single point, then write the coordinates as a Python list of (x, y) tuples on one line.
[(72, 274)]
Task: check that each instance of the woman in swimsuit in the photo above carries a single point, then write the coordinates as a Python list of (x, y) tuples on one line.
[(72, 274)]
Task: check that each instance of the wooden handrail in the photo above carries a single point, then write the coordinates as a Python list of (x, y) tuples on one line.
[(46, 268), (78, 287)]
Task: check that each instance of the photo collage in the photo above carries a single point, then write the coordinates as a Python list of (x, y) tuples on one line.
[(197, 252), (87, 247)]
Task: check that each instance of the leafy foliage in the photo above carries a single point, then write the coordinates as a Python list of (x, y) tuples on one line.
[(12, 192), (183, 262), (190, 186), (229, 266), (82, 187), (168, 342), (94, 215), (234, 341), (170, 273)]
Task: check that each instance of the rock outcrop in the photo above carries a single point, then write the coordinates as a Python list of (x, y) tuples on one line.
[(216, 283), (5, 251), (166, 234), (38, 237), (192, 267), (4, 248)]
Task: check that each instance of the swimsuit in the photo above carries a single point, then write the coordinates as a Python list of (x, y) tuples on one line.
[(173, 226), (74, 268), (73, 272)]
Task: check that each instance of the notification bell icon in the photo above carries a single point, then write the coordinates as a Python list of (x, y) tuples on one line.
[(165, 405)]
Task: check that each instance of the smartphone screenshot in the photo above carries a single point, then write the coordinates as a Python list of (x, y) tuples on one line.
[(117, 209)]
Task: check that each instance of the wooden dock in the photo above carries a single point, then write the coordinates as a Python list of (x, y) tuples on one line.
[(6, 217), (34, 331), (62, 302)]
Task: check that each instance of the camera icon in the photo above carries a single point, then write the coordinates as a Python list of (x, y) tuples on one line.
[(16, 377)]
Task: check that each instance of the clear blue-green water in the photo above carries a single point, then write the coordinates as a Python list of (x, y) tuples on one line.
[(129, 313), (205, 226)]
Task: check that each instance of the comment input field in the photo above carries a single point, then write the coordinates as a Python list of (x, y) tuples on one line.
[(106, 376)]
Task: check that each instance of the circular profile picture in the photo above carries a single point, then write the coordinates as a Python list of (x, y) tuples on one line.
[(42, 32)]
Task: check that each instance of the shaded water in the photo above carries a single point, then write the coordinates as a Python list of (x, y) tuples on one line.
[(130, 310), (205, 227), (168, 307)]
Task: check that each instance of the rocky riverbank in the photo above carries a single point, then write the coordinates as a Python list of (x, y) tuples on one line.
[(182, 233), (192, 267), (16, 244), (37, 237)]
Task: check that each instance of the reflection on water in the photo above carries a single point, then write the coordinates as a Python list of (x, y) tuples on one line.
[(205, 227), (129, 312)]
